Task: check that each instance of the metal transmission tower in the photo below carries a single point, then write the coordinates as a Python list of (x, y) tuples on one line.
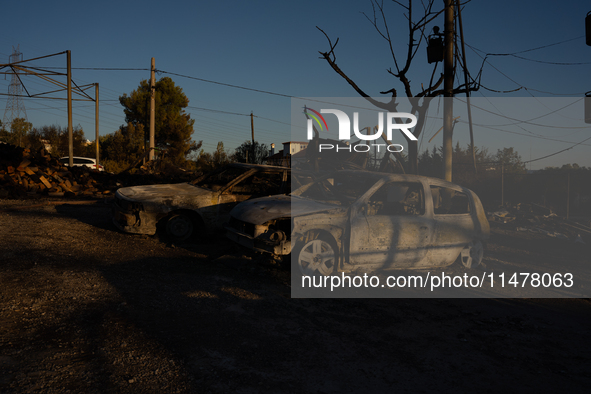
[(15, 108)]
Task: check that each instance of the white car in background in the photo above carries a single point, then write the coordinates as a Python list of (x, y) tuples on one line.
[(82, 162)]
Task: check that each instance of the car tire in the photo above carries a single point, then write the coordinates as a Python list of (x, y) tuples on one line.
[(179, 227), (316, 255), (471, 255)]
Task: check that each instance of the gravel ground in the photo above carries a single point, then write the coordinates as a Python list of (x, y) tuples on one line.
[(87, 309)]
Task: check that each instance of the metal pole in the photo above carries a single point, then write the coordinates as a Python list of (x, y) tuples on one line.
[(152, 107), (70, 131), (96, 122), (252, 133), (375, 157), (502, 184), (448, 73), (567, 195)]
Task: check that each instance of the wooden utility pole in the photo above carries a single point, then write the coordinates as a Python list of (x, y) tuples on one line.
[(465, 64), (588, 41), (502, 184), (252, 134), (96, 122), (70, 131), (152, 108), (448, 74), (568, 195)]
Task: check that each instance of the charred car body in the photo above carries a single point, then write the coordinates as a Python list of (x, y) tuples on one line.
[(204, 203), (353, 219)]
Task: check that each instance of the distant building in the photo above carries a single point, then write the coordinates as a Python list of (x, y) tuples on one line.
[(292, 151), (293, 147)]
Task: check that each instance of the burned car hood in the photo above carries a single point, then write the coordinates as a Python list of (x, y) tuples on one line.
[(261, 210), (157, 193)]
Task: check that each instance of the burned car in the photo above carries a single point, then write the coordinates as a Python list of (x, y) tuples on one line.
[(359, 219), (182, 208)]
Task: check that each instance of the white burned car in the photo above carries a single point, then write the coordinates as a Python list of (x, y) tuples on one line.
[(352, 219), (202, 204)]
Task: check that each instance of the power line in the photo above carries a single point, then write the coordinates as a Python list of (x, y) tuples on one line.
[(532, 49), (273, 120), (98, 68), (555, 153), (226, 84), (236, 113), (485, 60), (554, 63), (522, 134), (529, 121), (217, 111)]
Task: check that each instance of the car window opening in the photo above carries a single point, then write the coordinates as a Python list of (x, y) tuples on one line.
[(447, 201), (397, 199)]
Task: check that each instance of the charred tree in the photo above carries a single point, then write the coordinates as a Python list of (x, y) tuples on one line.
[(402, 62)]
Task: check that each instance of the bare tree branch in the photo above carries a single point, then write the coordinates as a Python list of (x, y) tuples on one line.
[(399, 3), (385, 106), (332, 47), (385, 35)]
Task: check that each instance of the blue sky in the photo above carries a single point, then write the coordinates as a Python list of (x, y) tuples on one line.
[(273, 46)]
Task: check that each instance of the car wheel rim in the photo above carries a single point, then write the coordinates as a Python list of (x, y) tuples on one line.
[(317, 256), (179, 227), (471, 256)]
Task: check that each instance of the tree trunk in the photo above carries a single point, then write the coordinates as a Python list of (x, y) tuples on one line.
[(413, 157)]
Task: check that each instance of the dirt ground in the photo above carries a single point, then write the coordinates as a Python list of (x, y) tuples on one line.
[(87, 309)]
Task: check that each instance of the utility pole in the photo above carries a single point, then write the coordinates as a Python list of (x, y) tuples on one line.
[(502, 184), (448, 74), (70, 131), (252, 134), (465, 65), (588, 41), (96, 122), (152, 108), (568, 195)]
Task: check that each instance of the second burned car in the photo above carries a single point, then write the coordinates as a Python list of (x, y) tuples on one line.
[(183, 208), (352, 219)]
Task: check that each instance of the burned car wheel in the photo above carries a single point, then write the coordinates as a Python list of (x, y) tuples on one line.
[(317, 256), (179, 227), (471, 256)]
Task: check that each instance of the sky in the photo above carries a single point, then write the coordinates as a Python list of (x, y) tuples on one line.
[(233, 57)]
